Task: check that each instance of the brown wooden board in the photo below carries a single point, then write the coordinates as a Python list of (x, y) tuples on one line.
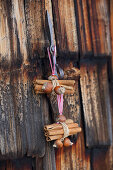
[(75, 157), (19, 164), (103, 158), (111, 31), (21, 120), (21, 117), (96, 103), (65, 28), (47, 162), (100, 30), (36, 29), (83, 25)]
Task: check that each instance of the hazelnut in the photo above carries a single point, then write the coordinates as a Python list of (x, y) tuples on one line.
[(67, 142), (47, 87), (61, 118), (59, 90), (58, 144)]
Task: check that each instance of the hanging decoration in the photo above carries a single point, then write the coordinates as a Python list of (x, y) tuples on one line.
[(63, 127)]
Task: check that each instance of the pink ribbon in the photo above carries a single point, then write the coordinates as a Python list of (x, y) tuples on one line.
[(60, 103)]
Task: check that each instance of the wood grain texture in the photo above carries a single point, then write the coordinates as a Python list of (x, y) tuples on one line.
[(19, 164), (65, 27), (96, 103), (104, 157), (111, 31), (21, 121), (99, 19), (75, 157), (21, 117), (47, 162), (36, 30), (84, 33)]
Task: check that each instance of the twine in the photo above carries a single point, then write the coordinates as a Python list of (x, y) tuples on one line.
[(66, 130)]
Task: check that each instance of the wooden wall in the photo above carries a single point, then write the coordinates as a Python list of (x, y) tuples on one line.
[(83, 34)]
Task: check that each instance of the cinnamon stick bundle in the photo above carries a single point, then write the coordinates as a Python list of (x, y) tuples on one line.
[(56, 131), (67, 84), (55, 137), (61, 82)]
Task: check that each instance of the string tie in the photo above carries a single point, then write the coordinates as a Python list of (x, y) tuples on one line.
[(66, 130)]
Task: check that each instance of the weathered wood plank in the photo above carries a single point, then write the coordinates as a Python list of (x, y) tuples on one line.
[(75, 157), (111, 31), (21, 116), (65, 27), (37, 40), (18, 123), (48, 161), (13, 37), (99, 19), (20, 110), (84, 33), (19, 164), (104, 157), (96, 103)]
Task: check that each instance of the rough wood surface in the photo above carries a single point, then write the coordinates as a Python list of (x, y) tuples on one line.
[(75, 158), (84, 33), (47, 162), (111, 31), (103, 158), (19, 164), (100, 30), (65, 27), (96, 103), (36, 30), (21, 120)]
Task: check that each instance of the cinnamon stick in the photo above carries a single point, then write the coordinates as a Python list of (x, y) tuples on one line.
[(39, 87), (66, 91), (58, 126), (61, 82), (50, 138), (61, 131)]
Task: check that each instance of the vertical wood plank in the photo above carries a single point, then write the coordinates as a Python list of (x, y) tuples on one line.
[(65, 27), (99, 19), (84, 33), (96, 103), (111, 31), (75, 157), (104, 157), (25, 164), (20, 110), (47, 162), (37, 40)]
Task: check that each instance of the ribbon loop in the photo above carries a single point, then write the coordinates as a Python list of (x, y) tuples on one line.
[(60, 103)]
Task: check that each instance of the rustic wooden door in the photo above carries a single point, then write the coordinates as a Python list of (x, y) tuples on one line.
[(83, 34)]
